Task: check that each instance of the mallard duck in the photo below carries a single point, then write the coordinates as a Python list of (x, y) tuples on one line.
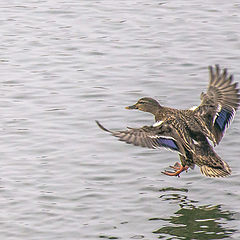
[(188, 131)]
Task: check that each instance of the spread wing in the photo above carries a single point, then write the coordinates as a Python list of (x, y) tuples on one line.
[(219, 103), (163, 135)]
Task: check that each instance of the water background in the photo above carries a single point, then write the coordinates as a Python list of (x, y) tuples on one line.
[(64, 64)]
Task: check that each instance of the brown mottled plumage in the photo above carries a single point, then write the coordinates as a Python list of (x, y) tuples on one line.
[(187, 131)]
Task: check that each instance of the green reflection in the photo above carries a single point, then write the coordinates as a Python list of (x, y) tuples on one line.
[(193, 222)]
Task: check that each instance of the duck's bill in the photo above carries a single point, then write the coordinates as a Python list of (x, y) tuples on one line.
[(131, 107)]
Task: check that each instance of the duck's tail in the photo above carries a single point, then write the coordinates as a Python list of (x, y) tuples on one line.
[(222, 170)]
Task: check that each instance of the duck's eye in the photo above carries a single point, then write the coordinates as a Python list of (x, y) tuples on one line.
[(141, 102)]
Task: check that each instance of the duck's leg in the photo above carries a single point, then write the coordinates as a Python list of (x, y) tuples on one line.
[(178, 169), (176, 166)]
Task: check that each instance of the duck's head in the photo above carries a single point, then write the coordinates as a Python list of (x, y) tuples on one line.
[(146, 105)]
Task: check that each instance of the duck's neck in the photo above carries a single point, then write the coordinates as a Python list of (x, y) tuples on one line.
[(162, 113), (155, 110)]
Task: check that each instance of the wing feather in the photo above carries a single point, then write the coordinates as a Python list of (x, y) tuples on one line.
[(219, 103), (150, 137)]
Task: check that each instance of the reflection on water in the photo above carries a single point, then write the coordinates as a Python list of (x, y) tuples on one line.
[(192, 221)]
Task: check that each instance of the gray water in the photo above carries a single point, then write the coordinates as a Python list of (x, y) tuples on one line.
[(64, 64)]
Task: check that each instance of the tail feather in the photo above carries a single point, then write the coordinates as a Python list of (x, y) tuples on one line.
[(216, 172)]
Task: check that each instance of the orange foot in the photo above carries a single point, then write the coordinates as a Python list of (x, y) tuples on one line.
[(178, 169)]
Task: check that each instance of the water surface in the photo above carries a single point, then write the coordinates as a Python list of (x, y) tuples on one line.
[(64, 64)]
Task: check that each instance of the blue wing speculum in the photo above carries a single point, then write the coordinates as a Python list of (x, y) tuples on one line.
[(167, 143), (223, 119)]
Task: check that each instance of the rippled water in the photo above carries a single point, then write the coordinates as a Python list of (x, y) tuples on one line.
[(64, 64)]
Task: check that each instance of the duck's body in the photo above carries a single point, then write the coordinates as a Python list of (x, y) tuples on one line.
[(188, 131), (191, 121)]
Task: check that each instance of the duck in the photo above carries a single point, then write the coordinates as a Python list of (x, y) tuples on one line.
[(189, 132)]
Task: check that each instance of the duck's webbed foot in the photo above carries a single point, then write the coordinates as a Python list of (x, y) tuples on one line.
[(178, 168)]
